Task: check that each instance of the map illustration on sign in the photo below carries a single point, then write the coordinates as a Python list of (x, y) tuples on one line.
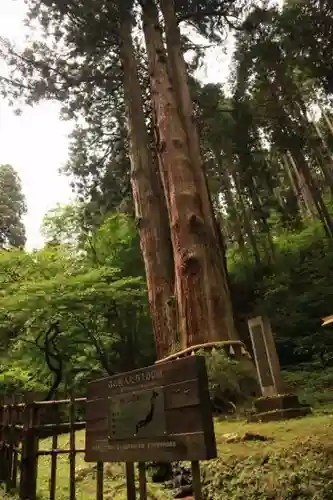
[(139, 414)]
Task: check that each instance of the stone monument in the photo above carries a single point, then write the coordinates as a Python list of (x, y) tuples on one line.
[(277, 402)]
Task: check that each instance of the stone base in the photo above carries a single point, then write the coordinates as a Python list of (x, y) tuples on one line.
[(280, 407)]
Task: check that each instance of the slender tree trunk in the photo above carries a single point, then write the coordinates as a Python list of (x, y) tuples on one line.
[(327, 119), (246, 218), (303, 187), (231, 205), (297, 108), (259, 209), (310, 187), (294, 186), (204, 312), (297, 158), (150, 206)]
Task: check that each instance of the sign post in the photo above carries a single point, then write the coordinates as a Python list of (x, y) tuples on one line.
[(159, 413)]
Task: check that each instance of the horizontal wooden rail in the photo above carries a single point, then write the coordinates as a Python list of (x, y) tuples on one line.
[(59, 452), (42, 403)]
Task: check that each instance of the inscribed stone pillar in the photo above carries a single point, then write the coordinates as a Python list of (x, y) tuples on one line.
[(265, 355)]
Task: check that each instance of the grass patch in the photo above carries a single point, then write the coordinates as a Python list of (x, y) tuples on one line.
[(297, 463)]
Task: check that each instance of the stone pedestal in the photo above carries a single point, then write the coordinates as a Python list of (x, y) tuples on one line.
[(279, 407), (274, 404)]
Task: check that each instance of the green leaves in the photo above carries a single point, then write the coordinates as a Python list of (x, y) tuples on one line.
[(12, 209), (87, 289)]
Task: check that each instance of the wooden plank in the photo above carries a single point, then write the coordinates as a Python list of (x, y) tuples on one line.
[(182, 394), (171, 373), (182, 446)]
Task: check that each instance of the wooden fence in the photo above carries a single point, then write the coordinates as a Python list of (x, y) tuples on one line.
[(22, 425)]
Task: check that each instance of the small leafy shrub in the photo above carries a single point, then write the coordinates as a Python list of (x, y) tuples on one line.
[(230, 381)]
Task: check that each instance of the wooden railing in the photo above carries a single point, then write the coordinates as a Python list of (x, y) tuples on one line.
[(22, 425)]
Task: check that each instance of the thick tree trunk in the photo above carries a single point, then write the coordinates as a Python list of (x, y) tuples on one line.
[(179, 81), (150, 206), (202, 289)]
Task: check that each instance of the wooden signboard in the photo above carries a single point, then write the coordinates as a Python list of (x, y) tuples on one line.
[(160, 413)]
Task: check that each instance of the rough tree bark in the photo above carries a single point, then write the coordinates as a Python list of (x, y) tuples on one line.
[(179, 81), (150, 207), (200, 281)]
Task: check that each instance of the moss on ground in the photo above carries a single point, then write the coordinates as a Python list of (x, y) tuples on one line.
[(297, 463)]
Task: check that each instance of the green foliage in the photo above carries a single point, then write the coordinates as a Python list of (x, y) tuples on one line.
[(84, 306), (312, 383), (295, 292), (12, 209), (229, 380), (17, 380), (253, 479)]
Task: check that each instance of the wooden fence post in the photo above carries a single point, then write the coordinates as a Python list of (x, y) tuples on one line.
[(10, 442), (142, 481), (15, 423), (29, 461), (196, 482), (2, 442), (6, 440), (130, 481), (72, 447), (100, 481)]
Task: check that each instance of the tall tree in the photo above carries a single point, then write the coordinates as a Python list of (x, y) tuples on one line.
[(200, 278), (150, 204), (12, 209)]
